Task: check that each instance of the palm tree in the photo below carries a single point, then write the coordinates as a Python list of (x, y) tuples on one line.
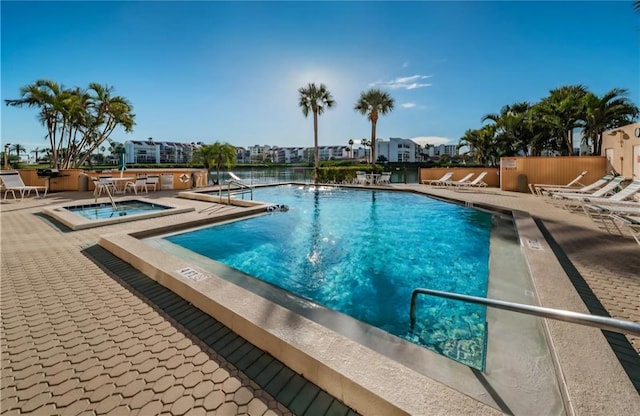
[(18, 148), (77, 121), (604, 113), (351, 148), (35, 152), (216, 155), (315, 99), (636, 5), (561, 112), (44, 94), (482, 144), (373, 103)]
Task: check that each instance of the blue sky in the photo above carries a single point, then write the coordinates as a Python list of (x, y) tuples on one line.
[(230, 71)]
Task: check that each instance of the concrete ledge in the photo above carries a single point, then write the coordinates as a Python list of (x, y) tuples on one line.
[(591, 378)]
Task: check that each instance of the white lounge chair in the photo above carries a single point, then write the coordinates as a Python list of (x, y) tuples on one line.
[(584, 190), (462, 181), (536, 188), (627, 225), (12, 182), (442, 181), (573, 201), (476, 183)]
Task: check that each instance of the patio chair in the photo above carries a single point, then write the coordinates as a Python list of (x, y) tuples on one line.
[(103, 184), (153, 181), (462, 181), (536, 187), (385, 178), (12, 182), (139, 184), (361, 178), (441, 182), (476, 183), (584, 190)]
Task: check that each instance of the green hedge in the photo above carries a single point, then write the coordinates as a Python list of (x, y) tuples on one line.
[(344, 174)]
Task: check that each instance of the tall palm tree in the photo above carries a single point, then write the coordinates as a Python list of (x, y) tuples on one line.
[(374, 103), (636, 5), (562, 110), (315, 99), (45, 95), (611, 110), (351, 148)]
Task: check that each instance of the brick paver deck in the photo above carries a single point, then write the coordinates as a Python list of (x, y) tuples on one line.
[(82, 332)]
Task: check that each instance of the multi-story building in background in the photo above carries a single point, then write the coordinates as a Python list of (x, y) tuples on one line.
[(398, 150), (149, 151), (435, 152), (394, 149)]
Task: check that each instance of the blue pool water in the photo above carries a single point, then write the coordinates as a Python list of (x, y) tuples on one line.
[(101, 211), (362, 252)]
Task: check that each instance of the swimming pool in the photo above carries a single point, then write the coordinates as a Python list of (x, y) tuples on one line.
[(105, 210), (362, 252)]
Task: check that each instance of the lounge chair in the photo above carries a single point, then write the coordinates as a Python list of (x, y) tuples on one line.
[(441, 182), (573, 201), (537, 187), (627, 225), (584, 190), (476, 183), (12, 182), (462, 181)]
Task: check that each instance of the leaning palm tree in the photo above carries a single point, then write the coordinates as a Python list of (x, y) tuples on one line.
[(315, 99), (373, 103)]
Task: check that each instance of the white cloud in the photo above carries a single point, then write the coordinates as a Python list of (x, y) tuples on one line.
[(408, 105), (432, 140), (407, 83)]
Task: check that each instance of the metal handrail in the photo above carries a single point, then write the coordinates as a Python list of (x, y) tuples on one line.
[(602, 322), (241, 185)]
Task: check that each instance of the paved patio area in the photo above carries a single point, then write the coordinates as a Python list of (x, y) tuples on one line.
[(83, 332)]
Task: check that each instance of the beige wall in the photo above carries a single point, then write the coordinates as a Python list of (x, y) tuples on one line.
[(621, 147), (558, 170)]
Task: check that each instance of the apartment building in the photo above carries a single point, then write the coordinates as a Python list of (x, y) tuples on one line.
[(398, 150), (139, 151)]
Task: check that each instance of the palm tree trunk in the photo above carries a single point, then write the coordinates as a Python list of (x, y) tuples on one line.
[(373, 141), (316, 154)]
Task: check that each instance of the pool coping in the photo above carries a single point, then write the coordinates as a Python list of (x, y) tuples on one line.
[(332, 362), (76, 222)]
